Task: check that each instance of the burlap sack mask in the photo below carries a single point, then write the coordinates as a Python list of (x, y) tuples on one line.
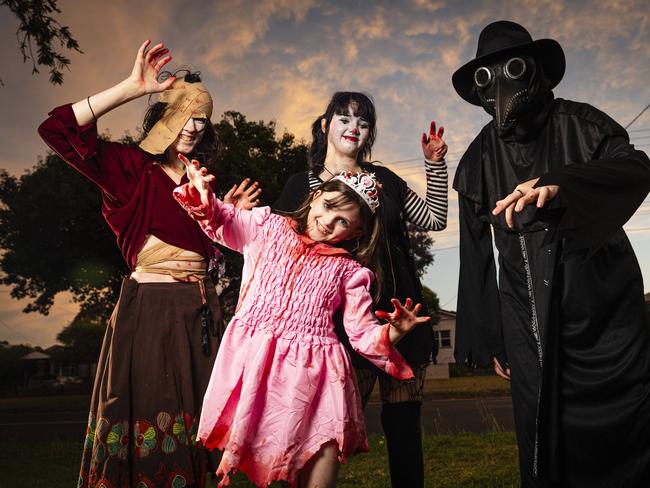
[(184, 101)]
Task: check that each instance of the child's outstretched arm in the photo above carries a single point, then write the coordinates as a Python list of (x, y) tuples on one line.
[(403, 319), (367, 336), (222, 222)]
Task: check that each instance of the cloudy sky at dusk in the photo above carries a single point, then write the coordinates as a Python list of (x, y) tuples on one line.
[(282, 60)]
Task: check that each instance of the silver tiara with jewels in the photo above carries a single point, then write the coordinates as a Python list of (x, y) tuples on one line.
[(365, 184)]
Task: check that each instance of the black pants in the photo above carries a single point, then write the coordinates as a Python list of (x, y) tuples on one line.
[(400, 418)]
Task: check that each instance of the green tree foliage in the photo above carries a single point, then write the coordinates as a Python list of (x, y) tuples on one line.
[(433, 304), (421, 245), (83, 338), (55, 239), (39, 33), (11, 367)]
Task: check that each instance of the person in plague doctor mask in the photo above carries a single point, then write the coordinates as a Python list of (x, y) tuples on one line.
[(161, 341), (554, 181)]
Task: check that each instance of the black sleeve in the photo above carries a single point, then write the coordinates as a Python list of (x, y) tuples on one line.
[(599, 196), (478, 322), (293, 194)]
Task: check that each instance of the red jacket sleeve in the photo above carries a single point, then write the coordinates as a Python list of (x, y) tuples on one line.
[(114, 167)]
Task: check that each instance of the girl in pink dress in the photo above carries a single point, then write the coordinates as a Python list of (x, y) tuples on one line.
[(283, 402)]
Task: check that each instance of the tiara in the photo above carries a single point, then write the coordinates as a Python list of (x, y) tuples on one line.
[(365, 184)]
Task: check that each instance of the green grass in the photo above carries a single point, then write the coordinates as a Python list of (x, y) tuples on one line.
[(463, 387), (466, 387), (451, 461), (31, 464), (52, 403)]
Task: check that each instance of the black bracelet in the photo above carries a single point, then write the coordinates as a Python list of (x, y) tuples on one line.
[(91, 109)]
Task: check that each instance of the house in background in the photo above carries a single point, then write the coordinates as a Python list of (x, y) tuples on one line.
[(36, 367), (444, 334), (66, 364), (55, 367)]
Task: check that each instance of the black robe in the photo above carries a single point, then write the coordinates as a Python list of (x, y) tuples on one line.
[(568, 313)]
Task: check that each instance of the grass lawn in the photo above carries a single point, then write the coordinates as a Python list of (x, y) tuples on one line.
[(51, 403), (466, 387), (451, 461), (463, 387)]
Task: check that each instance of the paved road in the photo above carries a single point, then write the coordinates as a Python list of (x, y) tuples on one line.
[(451, 416), (438, 417)]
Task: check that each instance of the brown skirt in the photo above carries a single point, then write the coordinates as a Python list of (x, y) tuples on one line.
[(152, 373)]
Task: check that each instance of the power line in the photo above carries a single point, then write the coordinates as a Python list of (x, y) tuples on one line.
[(2, 322), (639, 115), (449, 301), (420, 158)]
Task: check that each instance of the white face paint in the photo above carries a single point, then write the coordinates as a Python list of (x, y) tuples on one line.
[(330, 223), (347, 134), (190, 135)]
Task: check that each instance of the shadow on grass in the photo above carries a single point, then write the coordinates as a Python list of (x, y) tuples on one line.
[(451, 461)]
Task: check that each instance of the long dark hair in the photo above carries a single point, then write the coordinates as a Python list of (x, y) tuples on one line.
[(206, 151), (366, 249), (362, 106)]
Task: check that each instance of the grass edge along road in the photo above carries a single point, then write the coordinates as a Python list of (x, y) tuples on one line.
[(451, 461), (462, 387)]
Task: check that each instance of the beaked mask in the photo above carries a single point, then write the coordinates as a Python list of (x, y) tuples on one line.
[(506, 89)]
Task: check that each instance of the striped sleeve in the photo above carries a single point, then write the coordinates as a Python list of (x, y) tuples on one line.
[(430, 213), (314, 182)]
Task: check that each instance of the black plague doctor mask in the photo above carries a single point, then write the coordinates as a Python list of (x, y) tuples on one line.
[(511, 78)]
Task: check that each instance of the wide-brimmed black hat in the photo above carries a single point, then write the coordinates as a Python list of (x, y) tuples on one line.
[(497, 40)]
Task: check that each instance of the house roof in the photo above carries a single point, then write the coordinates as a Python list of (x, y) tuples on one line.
[(447, 313), (35, 355)]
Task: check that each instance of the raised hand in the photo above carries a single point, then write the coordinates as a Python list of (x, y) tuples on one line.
[(402, 319), (199, 178), (244, 196), (524, 194), (147, 66), (434, 147)]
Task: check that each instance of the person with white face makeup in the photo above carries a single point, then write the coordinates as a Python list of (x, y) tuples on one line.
[(343, 138), (162, 339)]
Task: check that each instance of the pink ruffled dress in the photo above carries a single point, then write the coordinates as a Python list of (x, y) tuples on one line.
[(282, 384)]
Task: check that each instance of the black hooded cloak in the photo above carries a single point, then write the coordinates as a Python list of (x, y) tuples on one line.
[(567, 314)]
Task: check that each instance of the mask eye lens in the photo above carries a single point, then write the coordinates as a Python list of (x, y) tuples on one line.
[(515, 68), (482, 77)]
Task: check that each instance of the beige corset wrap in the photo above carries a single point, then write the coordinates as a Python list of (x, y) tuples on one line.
[(160, 253)]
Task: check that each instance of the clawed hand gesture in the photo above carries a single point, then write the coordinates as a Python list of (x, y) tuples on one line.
[(199, 178), (403, 318), (524, 194), (244, 196), (148, 64), (433, 146)]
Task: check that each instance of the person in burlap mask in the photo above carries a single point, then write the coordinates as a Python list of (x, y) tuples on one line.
[(162, 338)]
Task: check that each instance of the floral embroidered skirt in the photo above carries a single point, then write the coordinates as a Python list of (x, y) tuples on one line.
[(153, 370)]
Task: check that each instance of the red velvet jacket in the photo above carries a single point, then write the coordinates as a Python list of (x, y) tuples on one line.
[(136, 192)]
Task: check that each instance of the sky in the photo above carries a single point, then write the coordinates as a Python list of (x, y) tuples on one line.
[(282, 60)]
